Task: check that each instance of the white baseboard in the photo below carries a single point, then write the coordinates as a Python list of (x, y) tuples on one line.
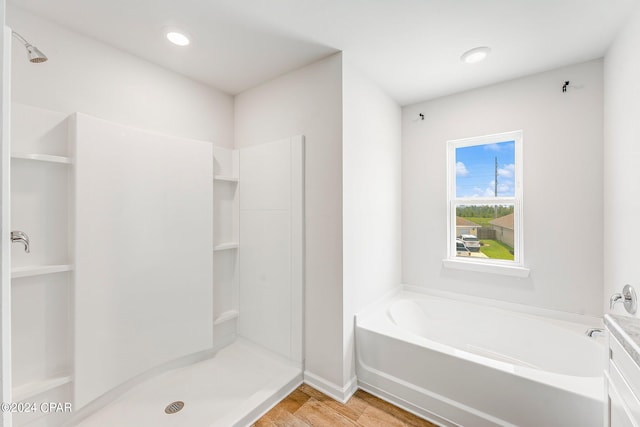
[(341, 394), (272, 400)]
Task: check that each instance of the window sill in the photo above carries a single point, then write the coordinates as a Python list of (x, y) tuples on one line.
[(481, 267)]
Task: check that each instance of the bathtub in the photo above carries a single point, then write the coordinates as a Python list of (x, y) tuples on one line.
[(459, 363)]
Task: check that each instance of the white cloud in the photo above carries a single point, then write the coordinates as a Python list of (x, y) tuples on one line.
[(479, 192), (507, 171), (492, 147), (489, 192), (504, 188), (461, 169)]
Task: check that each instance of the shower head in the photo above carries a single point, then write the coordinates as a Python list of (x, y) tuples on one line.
[(34, 54)]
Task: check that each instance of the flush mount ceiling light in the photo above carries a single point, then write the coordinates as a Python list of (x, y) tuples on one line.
[(475, 55), (177, 37)]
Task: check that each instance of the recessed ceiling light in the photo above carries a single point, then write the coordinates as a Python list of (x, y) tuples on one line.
[(178, 38), (475, 55)]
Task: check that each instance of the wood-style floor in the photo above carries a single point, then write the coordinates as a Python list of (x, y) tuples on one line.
[(308, 407)]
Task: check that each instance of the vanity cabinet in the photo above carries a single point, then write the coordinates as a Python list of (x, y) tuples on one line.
[(622, 373)]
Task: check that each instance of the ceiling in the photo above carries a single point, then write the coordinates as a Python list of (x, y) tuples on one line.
[(411, 48)]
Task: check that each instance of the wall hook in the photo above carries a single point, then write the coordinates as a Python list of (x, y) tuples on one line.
[(421, 116), (565, 86)]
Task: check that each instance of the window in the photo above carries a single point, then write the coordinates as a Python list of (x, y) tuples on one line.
[(485, 204)]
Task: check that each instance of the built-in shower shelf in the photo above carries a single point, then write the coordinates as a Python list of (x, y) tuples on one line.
[(227, 315), (29, 390), (226, 246), (42, 157), (37, 270), (226, 178)]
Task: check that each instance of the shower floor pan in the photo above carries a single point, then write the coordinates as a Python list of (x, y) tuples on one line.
[(233, 388)]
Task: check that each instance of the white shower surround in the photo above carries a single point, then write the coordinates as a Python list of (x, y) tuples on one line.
[(459, 363), (143, 252), (156, 179), (271, 273)]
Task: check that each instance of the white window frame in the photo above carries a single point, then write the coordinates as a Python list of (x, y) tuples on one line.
[(506, 267)]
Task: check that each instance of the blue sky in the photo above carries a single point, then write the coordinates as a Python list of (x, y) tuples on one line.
[(475, 170)]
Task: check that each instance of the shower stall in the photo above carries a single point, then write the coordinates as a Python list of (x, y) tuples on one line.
[(164, 283)]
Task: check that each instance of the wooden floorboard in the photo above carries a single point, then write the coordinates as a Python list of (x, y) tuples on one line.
[(306, 407)]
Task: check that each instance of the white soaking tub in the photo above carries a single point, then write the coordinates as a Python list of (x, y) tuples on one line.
[(459, 363)]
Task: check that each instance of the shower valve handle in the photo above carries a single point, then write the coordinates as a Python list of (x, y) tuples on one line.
[(21, 237), (628, 298)]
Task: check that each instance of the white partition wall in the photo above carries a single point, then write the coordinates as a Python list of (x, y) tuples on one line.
[(271, 245), (143, 252)]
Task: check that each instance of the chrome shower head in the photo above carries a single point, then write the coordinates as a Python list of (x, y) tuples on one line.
[(35, 55)]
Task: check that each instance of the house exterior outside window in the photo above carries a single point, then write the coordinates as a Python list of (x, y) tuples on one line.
[(484, 204)]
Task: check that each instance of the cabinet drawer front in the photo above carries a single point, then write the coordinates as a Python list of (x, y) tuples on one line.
[(618, 416), (623, 390), (625, 364)]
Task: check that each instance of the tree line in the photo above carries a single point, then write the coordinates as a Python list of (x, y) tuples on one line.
[(483, 211)]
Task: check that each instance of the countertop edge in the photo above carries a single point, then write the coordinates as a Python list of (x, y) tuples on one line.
[(627, 331)]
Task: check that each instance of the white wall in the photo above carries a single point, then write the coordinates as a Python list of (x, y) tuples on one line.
[(371, 172), (352, 132), (308, 102), (563, 190), (85, 75), (621, 159)]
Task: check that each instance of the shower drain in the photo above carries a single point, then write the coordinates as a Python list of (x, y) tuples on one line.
[(174, 407)]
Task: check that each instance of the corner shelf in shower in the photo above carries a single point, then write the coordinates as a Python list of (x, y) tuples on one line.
[(225, 316), (226, 246), (34, 388), (226, 253), (42, 157), (225, 178), (37, 270)]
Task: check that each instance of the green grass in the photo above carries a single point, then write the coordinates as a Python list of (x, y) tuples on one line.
[(496, 250)]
